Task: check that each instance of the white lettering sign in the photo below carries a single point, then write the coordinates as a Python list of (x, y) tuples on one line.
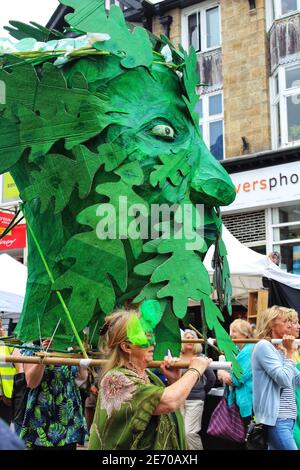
[(265, 187)]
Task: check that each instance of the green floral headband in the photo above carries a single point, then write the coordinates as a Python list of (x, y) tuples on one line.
[(140, 330)]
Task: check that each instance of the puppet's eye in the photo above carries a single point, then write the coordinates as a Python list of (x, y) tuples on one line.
[(163, 131)]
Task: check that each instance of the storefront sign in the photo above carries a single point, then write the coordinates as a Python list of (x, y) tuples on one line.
[(9, 189), (265, 187), (16, 238)]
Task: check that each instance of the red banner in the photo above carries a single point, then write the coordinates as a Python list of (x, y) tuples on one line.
[(16, 238)]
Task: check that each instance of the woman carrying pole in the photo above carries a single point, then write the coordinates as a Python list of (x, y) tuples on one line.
[(134, 410), (274, 378)]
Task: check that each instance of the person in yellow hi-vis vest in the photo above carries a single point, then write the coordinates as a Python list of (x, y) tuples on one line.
[(7, 373)]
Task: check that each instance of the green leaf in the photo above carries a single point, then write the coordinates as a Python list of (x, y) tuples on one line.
[(40, 134), (75, 94), (168, 336), (213, 316), (148, 267), (131, 174), (21, 30), (59, 175), (221, 277), (190, 81), (174, 168), (185, 274), (91, 17), (91, 282)]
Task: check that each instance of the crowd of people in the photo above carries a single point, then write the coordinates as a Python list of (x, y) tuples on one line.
[(129, 407)]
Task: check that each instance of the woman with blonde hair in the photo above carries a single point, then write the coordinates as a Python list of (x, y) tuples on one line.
[(194, 403), (240, 389), (134, 410), (275, 378)]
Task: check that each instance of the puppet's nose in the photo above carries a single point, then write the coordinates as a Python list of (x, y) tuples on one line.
[(211, 183)]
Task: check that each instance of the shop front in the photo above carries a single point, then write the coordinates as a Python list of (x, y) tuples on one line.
[(268, 201)]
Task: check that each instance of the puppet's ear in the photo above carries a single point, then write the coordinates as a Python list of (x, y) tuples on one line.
[(151, 312)]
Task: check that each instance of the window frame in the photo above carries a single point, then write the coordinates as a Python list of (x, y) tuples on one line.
[(196, 9), (280, 99), (273, 12), (206, 119), (272, 244)]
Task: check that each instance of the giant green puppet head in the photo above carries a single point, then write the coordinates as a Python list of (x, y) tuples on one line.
[(109, 113)]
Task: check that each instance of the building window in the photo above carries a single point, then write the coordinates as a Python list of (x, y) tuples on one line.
[(276, 9), (285, 228), (284, 7), (211, 122), (201, 27), (285, 92)]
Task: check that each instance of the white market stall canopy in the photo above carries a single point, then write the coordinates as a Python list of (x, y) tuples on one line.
[(247, 267), (13, 277)]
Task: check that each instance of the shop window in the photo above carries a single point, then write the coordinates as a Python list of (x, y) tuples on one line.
[(285, 106), (201, 27), (211, 122), (285, 231)]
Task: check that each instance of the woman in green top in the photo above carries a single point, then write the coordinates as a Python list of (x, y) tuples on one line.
[(134, 410)]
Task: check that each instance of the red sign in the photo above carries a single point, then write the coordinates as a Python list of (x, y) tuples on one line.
[(16, 238)]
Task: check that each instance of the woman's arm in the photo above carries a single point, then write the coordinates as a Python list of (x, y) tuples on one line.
[(210, 380), (82, 373), (33, 374), (224, 377), (18, 366), (174, 395), (281, 372)]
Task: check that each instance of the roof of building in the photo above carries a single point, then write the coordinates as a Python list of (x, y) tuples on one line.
[(262, 159)]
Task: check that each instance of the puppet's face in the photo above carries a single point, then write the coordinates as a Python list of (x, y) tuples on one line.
[(83, 136), (152, 124)]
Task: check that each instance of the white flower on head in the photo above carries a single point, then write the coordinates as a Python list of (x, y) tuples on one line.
[(167, 54), (116, 389), (97, 37), (6, 46)]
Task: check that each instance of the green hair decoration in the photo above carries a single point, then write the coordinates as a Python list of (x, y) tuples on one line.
[(139, 329)]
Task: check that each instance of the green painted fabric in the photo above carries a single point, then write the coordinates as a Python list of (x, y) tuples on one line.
[(85, 120), (124, 417)]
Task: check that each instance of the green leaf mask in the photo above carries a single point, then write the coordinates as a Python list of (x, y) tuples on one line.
[(140, 329)]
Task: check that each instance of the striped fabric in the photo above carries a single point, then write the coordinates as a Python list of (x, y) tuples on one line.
[(287, 404), (226, 422)]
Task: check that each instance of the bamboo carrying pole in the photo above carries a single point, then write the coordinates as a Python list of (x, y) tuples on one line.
[(46, 360), (236, 341)]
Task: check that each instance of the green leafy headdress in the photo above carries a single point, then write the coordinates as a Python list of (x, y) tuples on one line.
[(140, 330)]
